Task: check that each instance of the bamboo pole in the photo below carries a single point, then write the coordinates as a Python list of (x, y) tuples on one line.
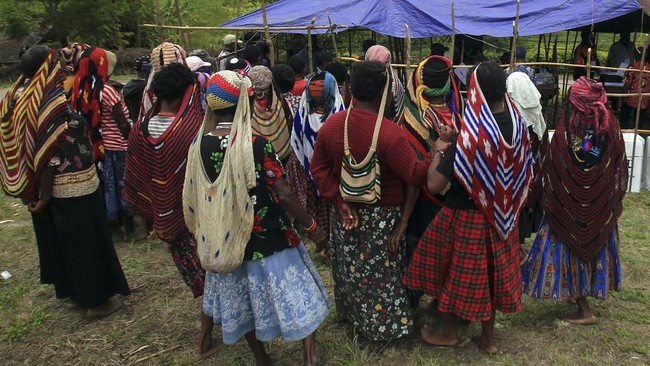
[(272, 29), (407, 49), (310, 46), (239, 4), (336, 49), (588, 63), (159, 30), (453, 30), (646, 42), (267, 35), (515, 32), (184, 35)]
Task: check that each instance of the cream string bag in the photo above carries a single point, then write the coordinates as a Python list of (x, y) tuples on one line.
[(361, 182), (220, 214)]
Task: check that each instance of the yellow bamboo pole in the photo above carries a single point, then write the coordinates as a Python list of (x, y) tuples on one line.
[(588, 63), (267, 35), (279, 29)]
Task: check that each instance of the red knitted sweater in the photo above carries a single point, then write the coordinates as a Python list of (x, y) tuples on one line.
[(398, 163)]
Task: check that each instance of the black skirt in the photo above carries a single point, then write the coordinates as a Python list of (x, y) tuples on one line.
[(76, 252)]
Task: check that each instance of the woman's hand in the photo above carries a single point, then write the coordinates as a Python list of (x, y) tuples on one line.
[(396, 237), (447, 134), (440, 144), (349, 216), (37, 207)]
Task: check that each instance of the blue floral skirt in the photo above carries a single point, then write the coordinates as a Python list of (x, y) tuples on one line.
[(552, 271), (277, 296)]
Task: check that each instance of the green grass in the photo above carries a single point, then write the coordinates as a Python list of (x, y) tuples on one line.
[(36, 329)]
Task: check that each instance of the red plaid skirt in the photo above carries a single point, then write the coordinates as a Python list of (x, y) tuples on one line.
[(462, 262)]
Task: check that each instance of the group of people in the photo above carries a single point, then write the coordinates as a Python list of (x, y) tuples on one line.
[(404, 188)]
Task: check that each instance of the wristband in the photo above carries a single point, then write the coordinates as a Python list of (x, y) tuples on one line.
[(312, 227)]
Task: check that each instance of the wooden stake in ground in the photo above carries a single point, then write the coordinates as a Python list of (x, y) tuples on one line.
[(267, 35), (646, 42), (515, 33), (159, 29)]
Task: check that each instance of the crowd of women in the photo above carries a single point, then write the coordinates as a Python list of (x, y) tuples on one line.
[(404, 188)]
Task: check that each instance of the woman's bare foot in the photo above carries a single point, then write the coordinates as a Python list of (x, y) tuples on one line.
[(584, 315), (208, 347), (109, 307), (70, 304), (485, 345), (580, 318), (436, 337)]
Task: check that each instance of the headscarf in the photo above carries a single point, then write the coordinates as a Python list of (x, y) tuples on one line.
[(163, 54), (307, 122), (71, 55), (87, 90), (273, 120), (526, 98), (383, 55), (234, 210), (584, 203), (31, 128), (495, 175)]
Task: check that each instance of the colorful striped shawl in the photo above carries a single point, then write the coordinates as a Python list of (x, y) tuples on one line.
[(496, 176), (273, 125), (31, 129), (305, 129), (155, 167)]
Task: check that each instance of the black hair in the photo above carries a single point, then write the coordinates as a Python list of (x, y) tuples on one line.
[(252, 54), (32, 59), (492, 81), (263, 47), (340, 72), (235, 64), (171, 82), (297, 64), (323, 57), (367, 44), (284, 77), (230, 111), (368, 80), (252, 36), (435, 73)]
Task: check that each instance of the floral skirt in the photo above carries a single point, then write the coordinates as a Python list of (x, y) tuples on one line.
[(367, 278), (551, 271), (315, 206), (278, 296), (183, 251), (463, 263)]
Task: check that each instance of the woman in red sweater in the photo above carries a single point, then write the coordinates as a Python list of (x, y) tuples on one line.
[(367, 257)]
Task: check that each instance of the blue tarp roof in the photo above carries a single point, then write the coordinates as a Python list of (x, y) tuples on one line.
[(428, 18)]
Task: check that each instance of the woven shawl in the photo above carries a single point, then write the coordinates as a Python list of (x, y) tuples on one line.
[(155, 167), (31, 129), (495, 175), (86, 93), (273, 124), (306, 126), (220, 214), (583, 205)]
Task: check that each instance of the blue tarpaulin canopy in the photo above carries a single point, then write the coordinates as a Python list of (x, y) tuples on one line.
[(429, 18)]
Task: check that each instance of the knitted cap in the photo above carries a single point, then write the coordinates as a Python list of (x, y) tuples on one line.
[(261, 77), (166, 53), (71, 55), (222, 89), (112, 61)]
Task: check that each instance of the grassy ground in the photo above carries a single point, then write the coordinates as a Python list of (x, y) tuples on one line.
[(160, 315)]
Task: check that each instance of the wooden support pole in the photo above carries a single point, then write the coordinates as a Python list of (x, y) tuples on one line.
[(588, 63), (184, 35), (239, 4), (272, 29), (515, 33), (267, 35), (336, 49), (407, 49), (640, 84), (159, 30), (310, 46), (453, 31)]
